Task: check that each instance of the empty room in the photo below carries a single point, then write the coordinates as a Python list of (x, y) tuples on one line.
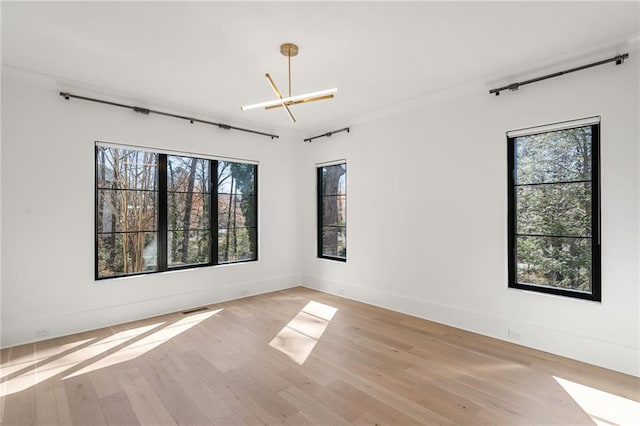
[(320, 213)]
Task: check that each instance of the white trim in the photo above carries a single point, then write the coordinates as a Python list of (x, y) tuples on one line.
[(331, 163), (588, 121), (173, 152)]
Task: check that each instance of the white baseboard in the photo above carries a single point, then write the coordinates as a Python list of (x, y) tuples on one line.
[(609, 355), (91, 319)]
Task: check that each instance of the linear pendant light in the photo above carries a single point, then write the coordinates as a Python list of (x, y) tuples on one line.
[(309, 97), (289, 50)]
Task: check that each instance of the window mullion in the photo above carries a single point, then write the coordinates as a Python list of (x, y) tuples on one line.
[(162, 213), (213, 216)]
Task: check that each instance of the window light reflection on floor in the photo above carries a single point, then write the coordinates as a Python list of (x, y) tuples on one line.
[(27, 362), (604, 408), (47, 368), (298, 338), (147, 343), (114, 349)]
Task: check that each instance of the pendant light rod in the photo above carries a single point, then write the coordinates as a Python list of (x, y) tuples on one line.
[(289, 61), (619, 59), (279, 95), (147, 111), (327, 135)]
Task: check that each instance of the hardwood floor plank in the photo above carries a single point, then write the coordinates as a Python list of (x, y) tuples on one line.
[(145, 403), (332, 401), (362, 365), (181, 407), (382, 392), (380, 411), (21, 408), (52, 406), (117, 409), (315, 412), (196, 389), (84, 407)]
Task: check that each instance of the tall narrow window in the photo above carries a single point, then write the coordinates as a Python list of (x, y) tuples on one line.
[(237, 212), (156, 212), (127, 211), (554, 235), (332, 211)]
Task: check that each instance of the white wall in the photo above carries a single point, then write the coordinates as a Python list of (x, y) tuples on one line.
[(441, 256), (48, 214), (427, 216)]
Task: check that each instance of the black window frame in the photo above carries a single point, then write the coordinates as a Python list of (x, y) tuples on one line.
[(320, 213), (162, 208), (596, 278)]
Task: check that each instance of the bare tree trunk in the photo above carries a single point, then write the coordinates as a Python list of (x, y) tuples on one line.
[(235, 228), (173, 219), (232, 191), (187, 210), (203, 242), (114, 219), (332, 187), (125, 235)]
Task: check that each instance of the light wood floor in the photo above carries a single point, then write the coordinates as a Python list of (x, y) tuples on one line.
[(278, 359)]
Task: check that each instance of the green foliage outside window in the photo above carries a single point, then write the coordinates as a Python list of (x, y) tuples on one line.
[(553, 190)]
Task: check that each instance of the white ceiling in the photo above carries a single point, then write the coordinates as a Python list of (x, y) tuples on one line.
[(209, 58)]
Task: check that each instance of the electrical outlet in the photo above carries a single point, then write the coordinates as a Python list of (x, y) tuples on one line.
[(515, 335), (41, 332), (244, 292)]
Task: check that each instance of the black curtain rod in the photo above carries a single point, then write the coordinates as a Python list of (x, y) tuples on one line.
[(328, 134), (619, 59), (146, 111)]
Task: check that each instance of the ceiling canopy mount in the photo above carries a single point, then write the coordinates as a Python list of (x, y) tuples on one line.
[(289, 49)]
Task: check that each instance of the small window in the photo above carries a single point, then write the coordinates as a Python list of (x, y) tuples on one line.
[(158, 212), (332, 212), (554, 233)]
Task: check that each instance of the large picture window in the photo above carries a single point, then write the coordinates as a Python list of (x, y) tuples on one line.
[(332, 211), (554, 234), (156, 212)]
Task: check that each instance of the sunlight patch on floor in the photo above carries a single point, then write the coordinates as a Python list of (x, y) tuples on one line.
[(298, 338), (117, 348), (146, 344), (44, 369), (604, 408)]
